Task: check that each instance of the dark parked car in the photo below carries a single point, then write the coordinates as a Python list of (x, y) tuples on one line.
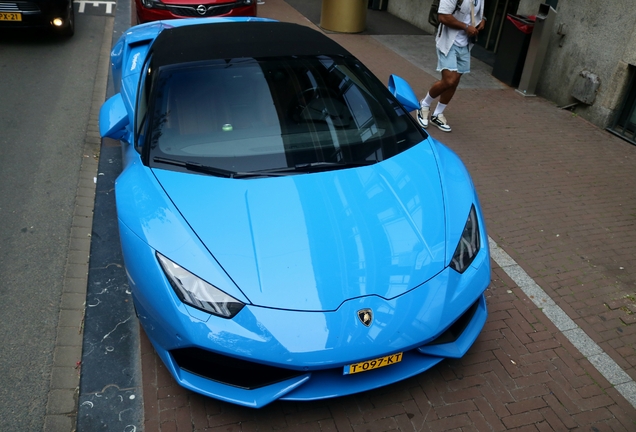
[(55, 14), (154, 10)]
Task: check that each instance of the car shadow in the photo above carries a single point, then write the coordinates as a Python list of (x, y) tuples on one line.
[(31, 36)]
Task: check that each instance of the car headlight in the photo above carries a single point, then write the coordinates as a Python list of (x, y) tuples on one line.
[(469, 244), (153, 4), (197, 293)]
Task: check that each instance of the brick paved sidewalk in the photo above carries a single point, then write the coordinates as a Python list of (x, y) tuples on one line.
[(559, 197), (521, 373)]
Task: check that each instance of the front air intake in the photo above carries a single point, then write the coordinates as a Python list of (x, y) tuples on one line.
[(229, 370), (458, 327)]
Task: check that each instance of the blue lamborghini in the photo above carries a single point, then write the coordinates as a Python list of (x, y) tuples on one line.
[(288, 230)]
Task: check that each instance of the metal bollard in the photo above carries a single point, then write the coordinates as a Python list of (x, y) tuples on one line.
[(536, 50)]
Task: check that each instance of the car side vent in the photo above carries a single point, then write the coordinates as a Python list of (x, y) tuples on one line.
[(229, 370), (455, 331)]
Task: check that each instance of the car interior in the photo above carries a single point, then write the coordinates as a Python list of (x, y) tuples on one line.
[(269, 114)]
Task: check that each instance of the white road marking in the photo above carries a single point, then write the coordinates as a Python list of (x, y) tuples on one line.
[(581, 341), (109, 5)]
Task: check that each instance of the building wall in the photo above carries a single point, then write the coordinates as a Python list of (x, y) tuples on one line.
[(528, 7), (412, 11), (600, 37)]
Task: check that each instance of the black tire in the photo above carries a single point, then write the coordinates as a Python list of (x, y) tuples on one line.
[(69, 29)]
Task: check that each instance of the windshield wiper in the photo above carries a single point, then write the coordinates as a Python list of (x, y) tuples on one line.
[(316, 166), (218, 172), (304, 168), (300, 168), (193, 166)]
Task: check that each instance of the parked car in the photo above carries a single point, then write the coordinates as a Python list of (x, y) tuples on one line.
[(154, 10), (288, 230), (54, 14)]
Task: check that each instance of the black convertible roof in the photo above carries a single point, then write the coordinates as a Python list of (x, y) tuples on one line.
[(252, 39)]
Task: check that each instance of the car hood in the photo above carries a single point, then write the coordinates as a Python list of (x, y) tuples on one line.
[(312, 241)]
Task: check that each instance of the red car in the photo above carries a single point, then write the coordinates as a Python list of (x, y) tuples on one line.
[(153, 10)]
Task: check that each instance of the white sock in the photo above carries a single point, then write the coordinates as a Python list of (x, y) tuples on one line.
[(439, 109), (427, 101)]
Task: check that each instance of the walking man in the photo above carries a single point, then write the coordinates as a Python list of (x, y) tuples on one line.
[(460, 23)]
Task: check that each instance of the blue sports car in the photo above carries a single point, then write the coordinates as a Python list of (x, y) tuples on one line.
[(288, 230)]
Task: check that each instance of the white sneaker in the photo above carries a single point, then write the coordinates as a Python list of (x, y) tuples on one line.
[(440, 121), (422, 116)]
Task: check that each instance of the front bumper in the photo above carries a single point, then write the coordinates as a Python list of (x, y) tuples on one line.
[(328, 383), (174, 11), (310, 348), (35, 14)]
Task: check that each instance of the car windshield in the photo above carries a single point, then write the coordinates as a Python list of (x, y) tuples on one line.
[(250, 115)]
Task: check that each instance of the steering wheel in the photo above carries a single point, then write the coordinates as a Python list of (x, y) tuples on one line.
[(320, 104)]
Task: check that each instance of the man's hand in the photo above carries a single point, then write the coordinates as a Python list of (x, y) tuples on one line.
[(472, 31), (450, 21)]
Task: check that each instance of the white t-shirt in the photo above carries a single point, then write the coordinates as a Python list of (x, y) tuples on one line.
[(447, 36), (462, 37)]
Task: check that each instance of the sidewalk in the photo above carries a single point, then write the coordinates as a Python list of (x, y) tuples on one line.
[(559, 198)]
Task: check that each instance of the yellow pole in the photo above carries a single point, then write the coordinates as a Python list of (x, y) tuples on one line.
[(344, 16)]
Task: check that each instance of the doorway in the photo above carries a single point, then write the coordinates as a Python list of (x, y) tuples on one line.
[(625, 124)]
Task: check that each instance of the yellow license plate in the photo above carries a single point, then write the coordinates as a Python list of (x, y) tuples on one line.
[(10, 16), (372, 364)]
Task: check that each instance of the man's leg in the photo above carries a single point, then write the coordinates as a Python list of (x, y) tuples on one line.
[(445, 90), (453, 66)]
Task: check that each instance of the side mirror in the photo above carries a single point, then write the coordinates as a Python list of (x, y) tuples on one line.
[(403, 93), (113, 118)]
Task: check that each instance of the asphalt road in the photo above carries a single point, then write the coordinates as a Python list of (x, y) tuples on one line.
[(46, 86)]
